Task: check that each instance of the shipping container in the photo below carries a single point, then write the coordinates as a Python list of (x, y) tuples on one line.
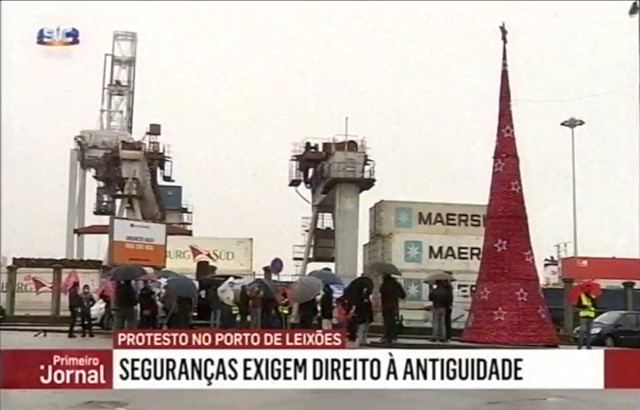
[(229, 255), (413, 252), (621, 269), (394, 217)]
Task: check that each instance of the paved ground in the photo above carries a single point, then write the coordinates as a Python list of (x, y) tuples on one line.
[(291, 400)]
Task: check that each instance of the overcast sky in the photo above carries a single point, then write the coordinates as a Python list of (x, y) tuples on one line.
[(235, 84)]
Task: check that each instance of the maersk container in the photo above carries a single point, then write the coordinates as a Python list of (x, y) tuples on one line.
[(411, 252), (229, 255), (431, 218)]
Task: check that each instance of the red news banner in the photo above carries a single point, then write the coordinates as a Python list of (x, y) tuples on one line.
[(329, 367), (231, 339)]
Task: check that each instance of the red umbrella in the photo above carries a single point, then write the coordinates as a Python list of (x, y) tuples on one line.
[(585, 287)]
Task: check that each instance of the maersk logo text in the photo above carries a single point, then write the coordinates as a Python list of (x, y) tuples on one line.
[(404, 219), (414, 252)]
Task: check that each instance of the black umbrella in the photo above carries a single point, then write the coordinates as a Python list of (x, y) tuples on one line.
[(181, 286), (327, 277), (127, 272), (357, 287), (384, 268), (167, 274), (267, 286)]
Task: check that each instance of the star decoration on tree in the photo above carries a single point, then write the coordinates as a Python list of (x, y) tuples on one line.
[(516, 187), (528, 256), (499, 166), (507, 131), (522, 295), (501, 245), (499, 314), (484, 294), (542, 311)]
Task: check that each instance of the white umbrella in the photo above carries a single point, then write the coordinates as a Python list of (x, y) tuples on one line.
[(226, 291)]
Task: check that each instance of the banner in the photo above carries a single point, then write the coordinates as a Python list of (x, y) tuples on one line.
[(240, 359)]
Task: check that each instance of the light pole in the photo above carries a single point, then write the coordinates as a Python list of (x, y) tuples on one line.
[(573, 123), (635, 11)]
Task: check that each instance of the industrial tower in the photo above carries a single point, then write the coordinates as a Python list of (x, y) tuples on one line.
[(336, 171), (126, 170)]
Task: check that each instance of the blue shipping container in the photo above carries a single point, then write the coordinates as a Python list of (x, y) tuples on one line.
[(171, 196)]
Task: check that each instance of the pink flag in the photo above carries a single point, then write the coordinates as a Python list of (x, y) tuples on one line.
[(72, 277)]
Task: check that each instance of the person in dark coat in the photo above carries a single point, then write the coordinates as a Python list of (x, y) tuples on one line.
[(269, 313), (359, 312), (441, 300), (86, 302), (391, 292), (179, 312), (449, 310), (215, 304), (74, 306), (148, 308), (326, 307), (124, 304), (308, 312), (243, 307), (365, 316)]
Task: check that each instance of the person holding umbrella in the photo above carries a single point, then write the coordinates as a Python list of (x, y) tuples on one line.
[(148, 307), (304, 292), (125, 296), (125, 301), (181, 292)]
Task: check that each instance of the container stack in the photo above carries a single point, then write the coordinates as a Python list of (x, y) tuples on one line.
[(422, 238)]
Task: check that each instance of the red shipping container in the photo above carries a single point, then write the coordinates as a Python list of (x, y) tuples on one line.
[(621, 269)]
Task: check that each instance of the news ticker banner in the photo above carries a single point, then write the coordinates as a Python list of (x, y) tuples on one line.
[(247, 360)]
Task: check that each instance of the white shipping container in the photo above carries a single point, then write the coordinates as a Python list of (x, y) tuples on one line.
[(393, 217), (229, 255), (410, 252)]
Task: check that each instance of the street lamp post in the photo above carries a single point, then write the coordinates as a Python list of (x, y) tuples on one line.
[(635, 11), (573, 123)]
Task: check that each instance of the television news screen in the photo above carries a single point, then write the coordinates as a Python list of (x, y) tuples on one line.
[(320, 205)]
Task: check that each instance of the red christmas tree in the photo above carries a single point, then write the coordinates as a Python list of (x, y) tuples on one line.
[(508, 306)]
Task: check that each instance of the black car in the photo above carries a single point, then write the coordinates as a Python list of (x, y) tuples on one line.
[(617, 328)]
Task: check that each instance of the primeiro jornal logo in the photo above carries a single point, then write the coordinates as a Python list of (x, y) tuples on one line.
[(75, 370), (58, 37)]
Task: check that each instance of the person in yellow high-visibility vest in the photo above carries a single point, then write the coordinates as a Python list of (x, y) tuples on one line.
[(587, 306), (284, 310)]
